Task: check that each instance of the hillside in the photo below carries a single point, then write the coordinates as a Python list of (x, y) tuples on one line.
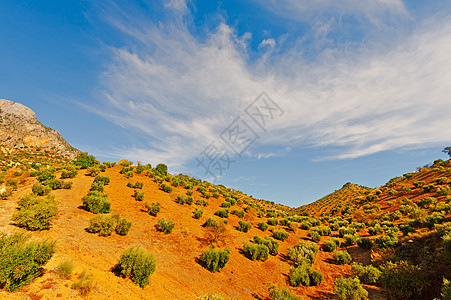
[(334, 202), (20, 129), (395, 228)]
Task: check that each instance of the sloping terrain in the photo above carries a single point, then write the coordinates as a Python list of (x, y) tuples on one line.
[(334, 202), (399, 219)]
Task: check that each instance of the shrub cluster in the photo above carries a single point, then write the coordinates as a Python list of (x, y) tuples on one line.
[(214, 258), (402, 279), (366, 274), (303, 251), (153, 209), (36, 213), (166, 188), (222, 213), (68, 174), (183, 199), (197, 214), (105, 225), (96, 202), (238, 213), (165, 226), (255, 251), (244, 226), (139, 196), (136, 185), (280, 234), (331, 244), (269, 242), (21, 260), (304, 275), (137, 264), (201, 202), (280, 294), (263, 226), (40, 189), (349, 288), (342, 257)]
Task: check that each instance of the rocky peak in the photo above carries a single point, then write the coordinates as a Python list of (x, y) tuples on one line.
[(20, 129)]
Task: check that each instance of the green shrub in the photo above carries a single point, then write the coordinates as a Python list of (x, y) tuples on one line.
[(346, 230), (280, 234), (349, 289), (97, 186), (444, 190), (272, 221), (225, 204), (105, 180), (426, 201), (419, 183), (263, 226), (322, 230), (197, 214), (105, 225), (243, 226), (183, 199), (165, 226), (238, 213), (366, 274), (137, 264), (210, 223), (271, 243), (123, 226), (68, 174), (96, 202), (40, 189), (429, 188), (306, 225), (166, 188), (389, 240), (45, 176), (214, 258), (364, 243), (402, 280), (255, 251), (303, 251), (153, 209), (342, 257), (280, 294), (83, 160), (36, 213), (136, 185), (434, 218), (314, 235), (222, 213), (331, 244), (376, 229), (304, 275), (21, 260), (350, 239), (139, 196), (93, 171), (201, 202)]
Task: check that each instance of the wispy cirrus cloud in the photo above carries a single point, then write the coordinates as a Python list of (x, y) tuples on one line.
[(180, 92)]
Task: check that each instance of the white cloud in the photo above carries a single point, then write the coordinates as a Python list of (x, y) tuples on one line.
[(180, 93), (301, 10), (268, 42)]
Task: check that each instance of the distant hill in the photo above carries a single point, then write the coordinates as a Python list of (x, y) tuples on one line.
[(335, 202), (20, 129)]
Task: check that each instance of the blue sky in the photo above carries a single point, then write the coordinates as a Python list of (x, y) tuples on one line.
[(360, 89)]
